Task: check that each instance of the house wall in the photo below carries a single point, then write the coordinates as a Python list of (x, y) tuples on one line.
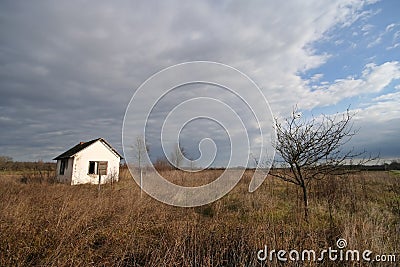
[(66, 178), (95, 152)]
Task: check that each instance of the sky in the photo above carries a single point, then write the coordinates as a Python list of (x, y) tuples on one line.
[(68, 69)]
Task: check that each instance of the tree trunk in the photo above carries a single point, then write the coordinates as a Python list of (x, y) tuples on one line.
[(305, 201)]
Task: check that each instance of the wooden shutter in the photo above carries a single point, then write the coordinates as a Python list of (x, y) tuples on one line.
[(103, 167)]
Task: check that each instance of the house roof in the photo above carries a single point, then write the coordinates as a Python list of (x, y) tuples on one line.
[(82, 145)]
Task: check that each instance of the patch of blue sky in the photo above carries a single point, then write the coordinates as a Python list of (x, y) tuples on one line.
[(374, 38)]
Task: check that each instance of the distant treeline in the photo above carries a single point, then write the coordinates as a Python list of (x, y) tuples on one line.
[(394, 165), (382, 167), (8, 164)]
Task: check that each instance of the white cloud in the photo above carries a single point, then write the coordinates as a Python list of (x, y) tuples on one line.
[(378, 38), (396, 36), (393, 46), (101, 52), (339, 42), (374, 79), (375, 42), (366, 29), (390, 27), (317, 77), (394, 97)]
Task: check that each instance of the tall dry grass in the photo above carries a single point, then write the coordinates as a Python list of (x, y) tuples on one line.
[(50, 224)]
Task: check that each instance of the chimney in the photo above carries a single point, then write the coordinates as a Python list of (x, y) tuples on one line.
[(81, 143)]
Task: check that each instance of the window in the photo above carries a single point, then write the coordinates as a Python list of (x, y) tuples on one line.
[(92, 167), (63, 166), (96, 166)]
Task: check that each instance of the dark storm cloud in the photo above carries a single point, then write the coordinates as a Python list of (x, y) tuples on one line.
[(69, 68), (58, 76)]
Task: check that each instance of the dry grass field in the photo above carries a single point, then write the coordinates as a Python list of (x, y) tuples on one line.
[(49, 224)]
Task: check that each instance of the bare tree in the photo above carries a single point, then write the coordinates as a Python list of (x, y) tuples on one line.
[(5, 162), (162, 164), (192, 164), (140, 150), (178, 155), (313, 149)]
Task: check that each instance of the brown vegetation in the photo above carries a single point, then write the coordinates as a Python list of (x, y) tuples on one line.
[(60, 225)]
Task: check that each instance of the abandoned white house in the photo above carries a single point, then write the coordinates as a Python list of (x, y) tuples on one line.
[(89, 163)]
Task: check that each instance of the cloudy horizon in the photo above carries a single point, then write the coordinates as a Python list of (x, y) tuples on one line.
[(69, 68)]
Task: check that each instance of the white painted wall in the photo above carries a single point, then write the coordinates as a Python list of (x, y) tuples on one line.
[(66, 178), (77, 171), (95, 152)]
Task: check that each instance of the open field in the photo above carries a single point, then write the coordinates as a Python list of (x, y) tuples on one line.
[(44, 223)]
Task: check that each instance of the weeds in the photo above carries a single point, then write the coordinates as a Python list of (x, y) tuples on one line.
[(60, 225)]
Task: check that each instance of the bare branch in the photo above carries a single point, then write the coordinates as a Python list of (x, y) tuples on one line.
[(313, 149)]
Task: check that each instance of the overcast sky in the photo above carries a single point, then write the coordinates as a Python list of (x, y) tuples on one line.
[(68, 69)]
